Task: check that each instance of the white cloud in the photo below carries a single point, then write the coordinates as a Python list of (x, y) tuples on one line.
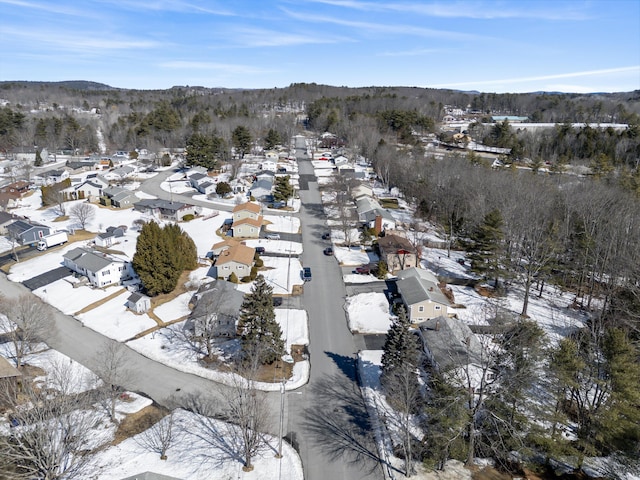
[(475, 10)]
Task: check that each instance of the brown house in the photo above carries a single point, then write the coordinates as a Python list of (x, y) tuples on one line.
[(397, 252)]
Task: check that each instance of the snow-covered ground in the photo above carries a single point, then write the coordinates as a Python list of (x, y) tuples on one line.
[(368, 313), (283, 224), (353, 256)]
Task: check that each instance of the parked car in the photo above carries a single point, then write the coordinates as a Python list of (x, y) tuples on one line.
[(277, 301), (273, 236), (326, 236), (260, 250), (328, 251), (306, 274), (363, 270), (277, 205), (460, 261)]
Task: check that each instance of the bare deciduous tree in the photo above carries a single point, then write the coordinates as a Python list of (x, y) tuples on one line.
[(159, 437), (82, 213), (50, 435), (114, 372), (25, 321)]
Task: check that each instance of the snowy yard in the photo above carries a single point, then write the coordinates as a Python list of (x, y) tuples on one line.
[(282, 224), (368, 313)]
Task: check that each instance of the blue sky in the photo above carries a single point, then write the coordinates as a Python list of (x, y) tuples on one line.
[(491, 46)]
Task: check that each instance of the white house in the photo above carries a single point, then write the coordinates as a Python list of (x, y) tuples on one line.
[(138, 303), (99, 268)]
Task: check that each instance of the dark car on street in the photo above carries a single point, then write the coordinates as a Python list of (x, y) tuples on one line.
[(328, 251), (306, 274), (260, 250), (326, 236)]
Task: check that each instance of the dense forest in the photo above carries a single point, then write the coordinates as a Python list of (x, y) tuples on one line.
[(527, 226)]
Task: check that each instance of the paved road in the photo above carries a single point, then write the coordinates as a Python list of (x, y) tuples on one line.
[(163, 384), (328, 422)]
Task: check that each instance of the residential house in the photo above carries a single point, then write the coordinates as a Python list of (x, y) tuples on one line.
[(101, 269), (219, 247), (340, 161), (138, 303), (79, 166), (237, 259), (266, 175), (91, 189), (421, 295), (9, 200), (111, 236), (10, 378), (270, 164), (247, 228), (120, 173), (361, 190), (5, 220), (371, 214), (151, 476), (247, 220), (51, 177), (246, 210), (118, 197), (26, 232), (165, 209), (260, 189), (452, 348), (216, 307), (18, 188), (397, 252), (203, 183)]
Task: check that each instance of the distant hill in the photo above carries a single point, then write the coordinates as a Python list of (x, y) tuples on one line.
[(71, 84)]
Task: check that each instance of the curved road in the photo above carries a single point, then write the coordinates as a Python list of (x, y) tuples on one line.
[(325, 420)]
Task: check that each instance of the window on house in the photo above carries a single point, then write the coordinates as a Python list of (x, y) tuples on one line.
[(105, 273), (421, 308), (438, 307)]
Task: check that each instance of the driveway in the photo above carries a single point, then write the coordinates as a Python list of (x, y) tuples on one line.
[(47, 278)]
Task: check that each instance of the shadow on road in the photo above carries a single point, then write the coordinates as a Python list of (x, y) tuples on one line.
[(338, 422), (347, 365)]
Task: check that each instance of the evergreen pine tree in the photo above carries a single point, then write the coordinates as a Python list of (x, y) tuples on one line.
[(401, 349), (283, 190), (261, 335), (272, 139), (485, 247), (162, 254), (38, 160)]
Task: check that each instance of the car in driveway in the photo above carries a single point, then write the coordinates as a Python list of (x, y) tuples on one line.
[(273, 236), (328, 251), (326, 236), (306, 274), (260, 250), (363, 270)]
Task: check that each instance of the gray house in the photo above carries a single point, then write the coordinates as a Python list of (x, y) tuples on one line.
[(261, 189), (216, 308), (118, 197), (449, 344), (165, 209), (26, 232), (99, 268)]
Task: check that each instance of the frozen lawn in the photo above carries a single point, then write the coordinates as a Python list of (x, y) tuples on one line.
[(283, 224), (69, 300), (353, 256), (276, 275), (368, 313), (276, 246), (294, 325)]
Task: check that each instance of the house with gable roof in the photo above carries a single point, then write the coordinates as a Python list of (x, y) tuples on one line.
[(451, 346), (101, 269), (236, 259), (216, 307), (247, 220), (421, 295), (397, 252), (27, 232)]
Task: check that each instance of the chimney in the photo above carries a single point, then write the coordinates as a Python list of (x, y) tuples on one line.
[(377, 226), (437, 324)]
